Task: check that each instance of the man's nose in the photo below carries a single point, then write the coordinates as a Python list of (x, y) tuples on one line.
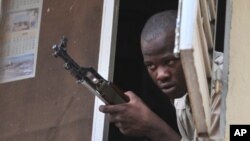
[(163, 73)]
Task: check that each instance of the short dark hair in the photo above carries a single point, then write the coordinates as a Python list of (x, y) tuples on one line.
[(161, 22)]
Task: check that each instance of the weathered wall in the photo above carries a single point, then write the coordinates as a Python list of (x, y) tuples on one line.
[(51, 106), (239, 59)]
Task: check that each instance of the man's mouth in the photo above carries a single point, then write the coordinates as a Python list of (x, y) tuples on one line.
[(168, 89)]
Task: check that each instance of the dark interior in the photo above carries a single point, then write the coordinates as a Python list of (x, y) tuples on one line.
[(130, 73), (220, 30)]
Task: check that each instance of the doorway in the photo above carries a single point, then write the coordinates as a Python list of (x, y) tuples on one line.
[(129, 71)]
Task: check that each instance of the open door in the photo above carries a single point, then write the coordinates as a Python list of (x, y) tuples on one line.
[(195, 43), (122, 23), (121, 27)]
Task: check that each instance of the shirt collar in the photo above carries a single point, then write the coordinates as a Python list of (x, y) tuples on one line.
[(182, 102)]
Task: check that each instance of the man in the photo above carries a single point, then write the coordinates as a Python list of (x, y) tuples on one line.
[(135, 118)]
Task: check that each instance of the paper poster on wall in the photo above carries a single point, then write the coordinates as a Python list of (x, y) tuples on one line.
[(19, 35)]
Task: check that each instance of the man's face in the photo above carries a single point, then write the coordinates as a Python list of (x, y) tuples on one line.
[(164, 68)]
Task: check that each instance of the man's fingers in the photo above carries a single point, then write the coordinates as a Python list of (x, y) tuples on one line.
[(130, 94), (123, 129), (106, 109), (115, 118), (101, 108), (111, 109), (118, 124)]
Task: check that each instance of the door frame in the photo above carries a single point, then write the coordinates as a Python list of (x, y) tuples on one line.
[(100, 127)]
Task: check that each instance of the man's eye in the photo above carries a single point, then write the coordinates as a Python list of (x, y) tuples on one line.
[(150, 66), (169, 63)]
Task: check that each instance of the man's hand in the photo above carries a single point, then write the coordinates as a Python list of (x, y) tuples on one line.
[(136, 119), (131, 118)]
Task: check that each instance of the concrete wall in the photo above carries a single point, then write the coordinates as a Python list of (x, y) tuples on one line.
[(238, 98)]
